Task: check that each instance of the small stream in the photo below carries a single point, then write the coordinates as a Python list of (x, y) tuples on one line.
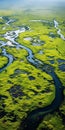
[(33, 118), (10, 59), (56, 25)]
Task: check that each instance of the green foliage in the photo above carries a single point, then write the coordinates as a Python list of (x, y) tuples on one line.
[(40, 91), (52, 122), (3, 61)]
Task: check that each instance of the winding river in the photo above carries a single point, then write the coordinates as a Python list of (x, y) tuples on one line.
[(34, 117)]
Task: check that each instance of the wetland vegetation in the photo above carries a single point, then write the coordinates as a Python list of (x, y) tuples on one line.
[(32, 70)]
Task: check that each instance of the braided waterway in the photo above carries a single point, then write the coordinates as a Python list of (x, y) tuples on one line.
[(34, 117)]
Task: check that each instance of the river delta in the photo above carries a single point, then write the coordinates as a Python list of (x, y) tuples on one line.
[(32, 71)]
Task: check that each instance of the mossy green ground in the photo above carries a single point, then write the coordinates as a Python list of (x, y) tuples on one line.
[(18, 93)]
